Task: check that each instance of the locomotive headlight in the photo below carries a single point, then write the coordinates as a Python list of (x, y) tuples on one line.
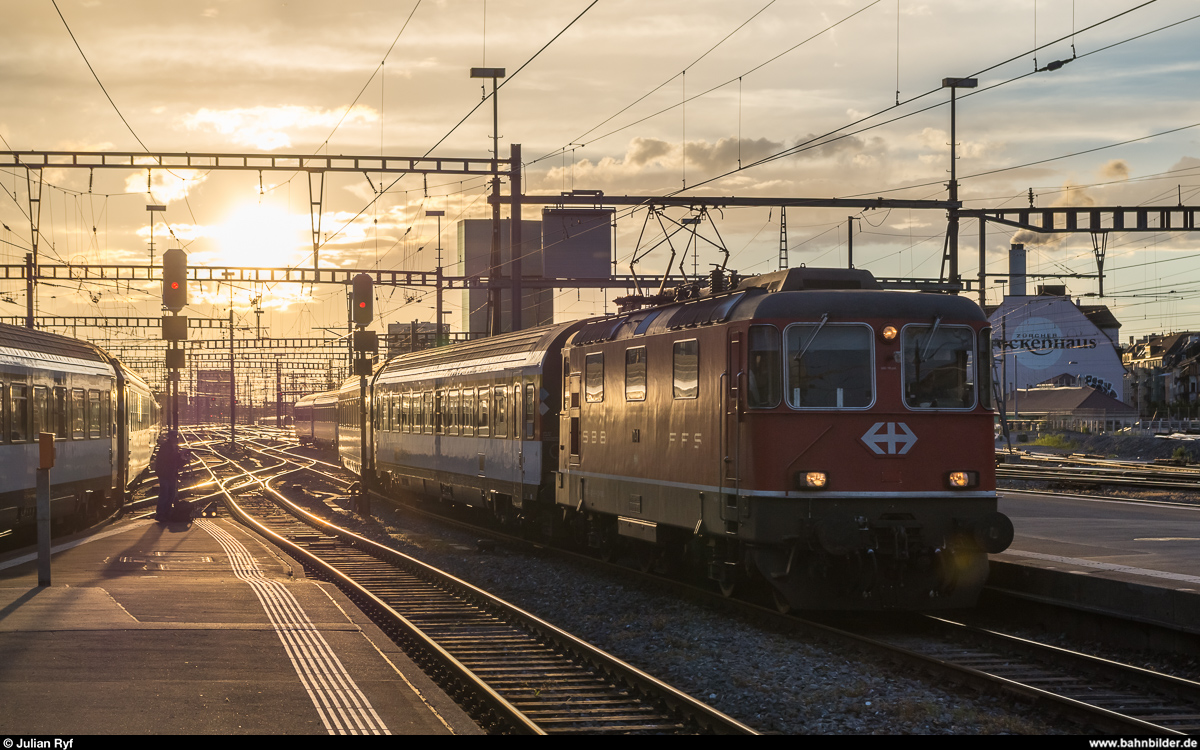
[(889, 333), (961, 479), (814, 480)]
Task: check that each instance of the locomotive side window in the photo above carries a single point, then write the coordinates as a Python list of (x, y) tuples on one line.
[(635, 374), (764, 374), (985, 368), (685, 368), (829, 366), (593, 375), (938, 366), (18, 413)]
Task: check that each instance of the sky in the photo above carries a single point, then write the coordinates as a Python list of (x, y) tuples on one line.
[(638, 98)]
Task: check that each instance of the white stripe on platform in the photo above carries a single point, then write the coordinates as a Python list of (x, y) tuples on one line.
[(343, 708), (1105, 566)]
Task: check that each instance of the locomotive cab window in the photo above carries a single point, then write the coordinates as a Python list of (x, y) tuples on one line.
[(939, 364), (764, 373), (829, 366), (685, 369)]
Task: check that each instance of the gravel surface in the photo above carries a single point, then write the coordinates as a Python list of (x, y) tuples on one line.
[(770, 681)]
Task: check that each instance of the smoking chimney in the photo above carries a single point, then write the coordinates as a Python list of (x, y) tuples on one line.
[(1016, 270)]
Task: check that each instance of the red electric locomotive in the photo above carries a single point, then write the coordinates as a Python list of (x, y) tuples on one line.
[(807, 427)]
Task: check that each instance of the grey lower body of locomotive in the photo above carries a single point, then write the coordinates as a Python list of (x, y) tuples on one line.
[(825, 552)]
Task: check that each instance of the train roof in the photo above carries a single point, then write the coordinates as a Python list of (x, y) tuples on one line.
[(314, 398), (524, 348), (805, 293), (26, 347)]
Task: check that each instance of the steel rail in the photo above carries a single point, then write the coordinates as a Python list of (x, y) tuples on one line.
[(705, 718)]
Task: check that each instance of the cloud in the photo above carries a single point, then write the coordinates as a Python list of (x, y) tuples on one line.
[(1117, 169), (270, 128), (1072, 196)]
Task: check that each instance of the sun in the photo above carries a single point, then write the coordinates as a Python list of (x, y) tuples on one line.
[(262, 235)]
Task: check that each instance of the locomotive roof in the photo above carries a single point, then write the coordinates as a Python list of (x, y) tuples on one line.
[(778, 297), (858, 305)]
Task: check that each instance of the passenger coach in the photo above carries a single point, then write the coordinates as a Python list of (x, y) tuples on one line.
[(103, 416)]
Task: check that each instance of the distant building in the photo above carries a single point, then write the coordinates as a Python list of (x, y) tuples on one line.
[(1048, 338), (1164, 371), (569, 243), (474, 259), (1071, 408)]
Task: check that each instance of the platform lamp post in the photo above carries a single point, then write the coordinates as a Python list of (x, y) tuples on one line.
[(494, 264), (437, 319)]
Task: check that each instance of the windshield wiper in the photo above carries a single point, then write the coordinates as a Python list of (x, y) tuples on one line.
[(821, 325)]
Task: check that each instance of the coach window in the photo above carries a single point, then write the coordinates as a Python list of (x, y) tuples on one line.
[(635, 374), (829, 366), (593, 375), (93, 414), (501, 394), (452, 406), (764, 374), (106, 414), (78, 414), (18, 413), (468, 411), (938, 366), (59, 419), (41, 410), (530, 410), (685, 369), (483, 425)]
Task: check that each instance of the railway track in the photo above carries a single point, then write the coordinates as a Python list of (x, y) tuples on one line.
[(513, 671), (1098, 694), (1086, 472)]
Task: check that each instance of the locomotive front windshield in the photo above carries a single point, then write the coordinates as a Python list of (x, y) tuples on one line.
[(939, 367), (829, 366)]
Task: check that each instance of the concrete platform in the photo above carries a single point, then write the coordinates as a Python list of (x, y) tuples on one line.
[(1137, 559), (198, 629)]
